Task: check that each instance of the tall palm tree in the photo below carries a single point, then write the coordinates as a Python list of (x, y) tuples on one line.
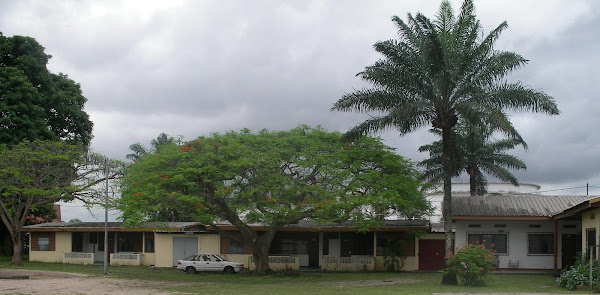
[(477, 153), (138, 150), (437, 72)]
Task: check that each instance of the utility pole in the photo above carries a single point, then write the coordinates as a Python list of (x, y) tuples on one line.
[(106, 170)]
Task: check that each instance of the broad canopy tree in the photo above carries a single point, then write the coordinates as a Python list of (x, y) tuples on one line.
[(436, 73), (477, 152), (274, 179)]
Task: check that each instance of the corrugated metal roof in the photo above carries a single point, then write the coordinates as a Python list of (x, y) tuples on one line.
[(526, 205)]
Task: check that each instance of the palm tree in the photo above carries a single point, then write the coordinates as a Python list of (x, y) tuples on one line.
[(138, 150), (476, 153), (437, 72)]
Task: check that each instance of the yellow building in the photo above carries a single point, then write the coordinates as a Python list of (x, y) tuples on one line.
[(329, 247)]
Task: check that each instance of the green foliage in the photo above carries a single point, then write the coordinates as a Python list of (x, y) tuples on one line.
[(471, 264), (138, 150), (395, 261), (439, 72), (44, 169), (34, 175), (475, 150), (273, 178), (35, 103), (578, 274)]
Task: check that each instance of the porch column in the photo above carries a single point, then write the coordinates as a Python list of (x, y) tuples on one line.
[(555, 246), (374, 244)]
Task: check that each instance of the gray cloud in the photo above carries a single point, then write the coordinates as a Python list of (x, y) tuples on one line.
[(194, 67)]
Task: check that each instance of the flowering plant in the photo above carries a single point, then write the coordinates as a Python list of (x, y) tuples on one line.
[(471, 264), (578, 274)]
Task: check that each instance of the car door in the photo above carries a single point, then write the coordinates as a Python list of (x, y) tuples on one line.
[(194, 261), (212, 263)]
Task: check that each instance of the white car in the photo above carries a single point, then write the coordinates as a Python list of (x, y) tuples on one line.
[(208, 262)]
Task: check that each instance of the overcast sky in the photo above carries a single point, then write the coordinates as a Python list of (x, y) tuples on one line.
[(189, 68)]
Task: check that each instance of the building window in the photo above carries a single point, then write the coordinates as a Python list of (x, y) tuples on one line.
[(77, 242), (495, 241), (397, 244), (129, 242), (43, 244), (236, 247), (149, 242), (590, 234), (43, 241), (541, 244), (94, 237)]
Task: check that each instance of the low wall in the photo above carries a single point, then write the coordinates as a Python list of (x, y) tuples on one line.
[(79, 258), (132, 259), (411, 263), (349, 264), (279, 263)]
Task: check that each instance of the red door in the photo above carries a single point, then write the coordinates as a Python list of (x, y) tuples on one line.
[(431, 254)]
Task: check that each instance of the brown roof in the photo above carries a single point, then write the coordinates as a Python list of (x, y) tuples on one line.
[(514, 206), (117, 226), (313, 226)]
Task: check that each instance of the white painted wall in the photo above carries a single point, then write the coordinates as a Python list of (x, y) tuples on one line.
[(518, 239)]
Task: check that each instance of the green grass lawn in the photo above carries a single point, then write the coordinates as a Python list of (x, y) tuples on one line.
[(308, 283)]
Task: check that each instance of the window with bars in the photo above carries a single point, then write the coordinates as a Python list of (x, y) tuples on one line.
[(43, 241), (540, 244), (495, 241)]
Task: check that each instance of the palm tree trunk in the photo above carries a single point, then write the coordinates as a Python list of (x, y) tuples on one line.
[(447, 279)]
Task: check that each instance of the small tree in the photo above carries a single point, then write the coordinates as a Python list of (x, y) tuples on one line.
[(471, 264), (36, 174), (273, 179)]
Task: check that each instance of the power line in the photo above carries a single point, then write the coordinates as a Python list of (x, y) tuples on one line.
[(562, 189)]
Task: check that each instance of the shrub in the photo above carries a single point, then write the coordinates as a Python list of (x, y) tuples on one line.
[(578, 274), (471, 264)]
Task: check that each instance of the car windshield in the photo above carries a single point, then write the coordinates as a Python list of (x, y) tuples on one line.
[(219, 258)]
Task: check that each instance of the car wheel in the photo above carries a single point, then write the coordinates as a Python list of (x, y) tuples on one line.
[(229, 270), (190, 270)]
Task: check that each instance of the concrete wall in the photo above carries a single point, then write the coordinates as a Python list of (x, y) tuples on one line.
[(589, 219), (517, 232), (163, 246)]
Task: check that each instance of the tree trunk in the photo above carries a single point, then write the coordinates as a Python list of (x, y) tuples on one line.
[(447, 279), (472, 184), (17, 247), (261, 248), (261, 257)]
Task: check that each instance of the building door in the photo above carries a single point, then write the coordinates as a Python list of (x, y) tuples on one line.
[(431, 254), (184, 247), (313, 251), (569, 249)]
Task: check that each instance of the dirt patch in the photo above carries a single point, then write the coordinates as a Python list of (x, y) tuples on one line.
[(371, 282), (46, 282)]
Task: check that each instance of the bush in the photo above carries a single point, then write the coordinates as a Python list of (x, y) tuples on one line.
[(471, 264), (578, 274)]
